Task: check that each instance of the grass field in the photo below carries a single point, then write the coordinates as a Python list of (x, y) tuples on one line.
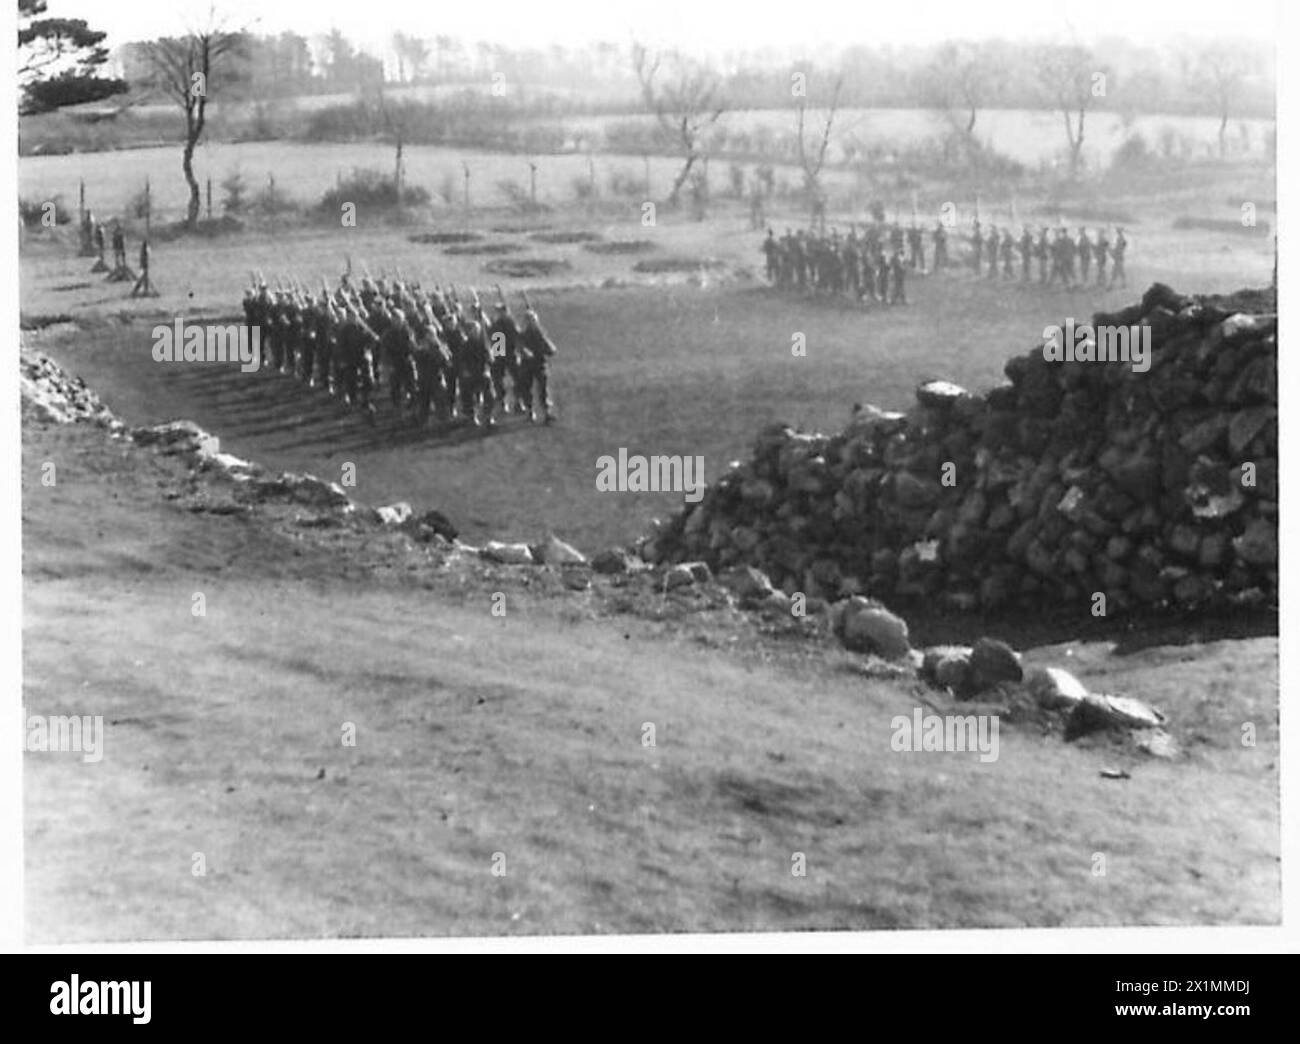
[(521, 735)]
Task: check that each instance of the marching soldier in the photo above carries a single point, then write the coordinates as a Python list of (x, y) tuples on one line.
[(1026, 253), (503, 341), (897, 269), (477, 397), (770, 253), (916, 248), (1117, 259), (940, 246), (1100, 252), (541, 350), (1084, 250)]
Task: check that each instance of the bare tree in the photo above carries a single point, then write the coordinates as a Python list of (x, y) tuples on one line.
[(1219, 74), (687, 105), (183, 68), (812, 160), (412, 55), (962, 79), (394, 119), (1071, 79)]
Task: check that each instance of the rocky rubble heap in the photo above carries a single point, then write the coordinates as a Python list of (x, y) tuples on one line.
[(1156, 489), (48, 395)]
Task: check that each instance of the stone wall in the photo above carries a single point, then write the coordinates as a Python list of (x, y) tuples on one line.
[(1157, 489)]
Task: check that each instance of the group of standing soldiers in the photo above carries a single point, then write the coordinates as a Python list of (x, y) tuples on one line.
[(1055, 255), (438, 354), (872, 267)]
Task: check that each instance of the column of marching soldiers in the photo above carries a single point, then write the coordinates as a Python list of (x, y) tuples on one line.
[(873, 267), (439, 355)]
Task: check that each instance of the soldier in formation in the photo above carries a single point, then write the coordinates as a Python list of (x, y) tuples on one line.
[(437, 354), (866, 266)]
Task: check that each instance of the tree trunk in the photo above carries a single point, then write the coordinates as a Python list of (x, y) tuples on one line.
[(1223, 136), (187, 165), (680, 180)]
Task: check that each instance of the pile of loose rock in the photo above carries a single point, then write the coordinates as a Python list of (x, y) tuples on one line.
[(1155, 489)]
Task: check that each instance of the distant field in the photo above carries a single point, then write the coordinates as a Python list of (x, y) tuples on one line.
[(304, 172)]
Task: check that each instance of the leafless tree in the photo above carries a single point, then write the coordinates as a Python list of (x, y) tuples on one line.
[(686, 103), (963, 79), (412, 55), (1219, 72), (1071, 78), (812, 160), (184, 69)]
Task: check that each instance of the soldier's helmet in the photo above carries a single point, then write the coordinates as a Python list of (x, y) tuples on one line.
[(531, 316), (502, 307), (399, 316)]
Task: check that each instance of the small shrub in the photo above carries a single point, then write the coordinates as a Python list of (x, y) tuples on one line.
[(372, 188), (234, 193)]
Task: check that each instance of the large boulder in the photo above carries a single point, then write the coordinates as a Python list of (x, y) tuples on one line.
[(869, 627), (1097, 712), (613, 560), (993, 662), (507, 554), (555, 552), (747, 584), (1054, 688), (947, 666)]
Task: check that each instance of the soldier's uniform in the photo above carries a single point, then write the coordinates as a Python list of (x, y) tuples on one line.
[(1100, 252), (940, 246), (474, 376), (1044, 252), (897, 270), (1008, 255), (396, 345), (432, 361), (992, 246), (455, 341), (356, 341), (850, 258), (977, 241), (1117, 258), (503, 344), (541, 350), (1026, 253), (1083, 248), (770, 253)]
